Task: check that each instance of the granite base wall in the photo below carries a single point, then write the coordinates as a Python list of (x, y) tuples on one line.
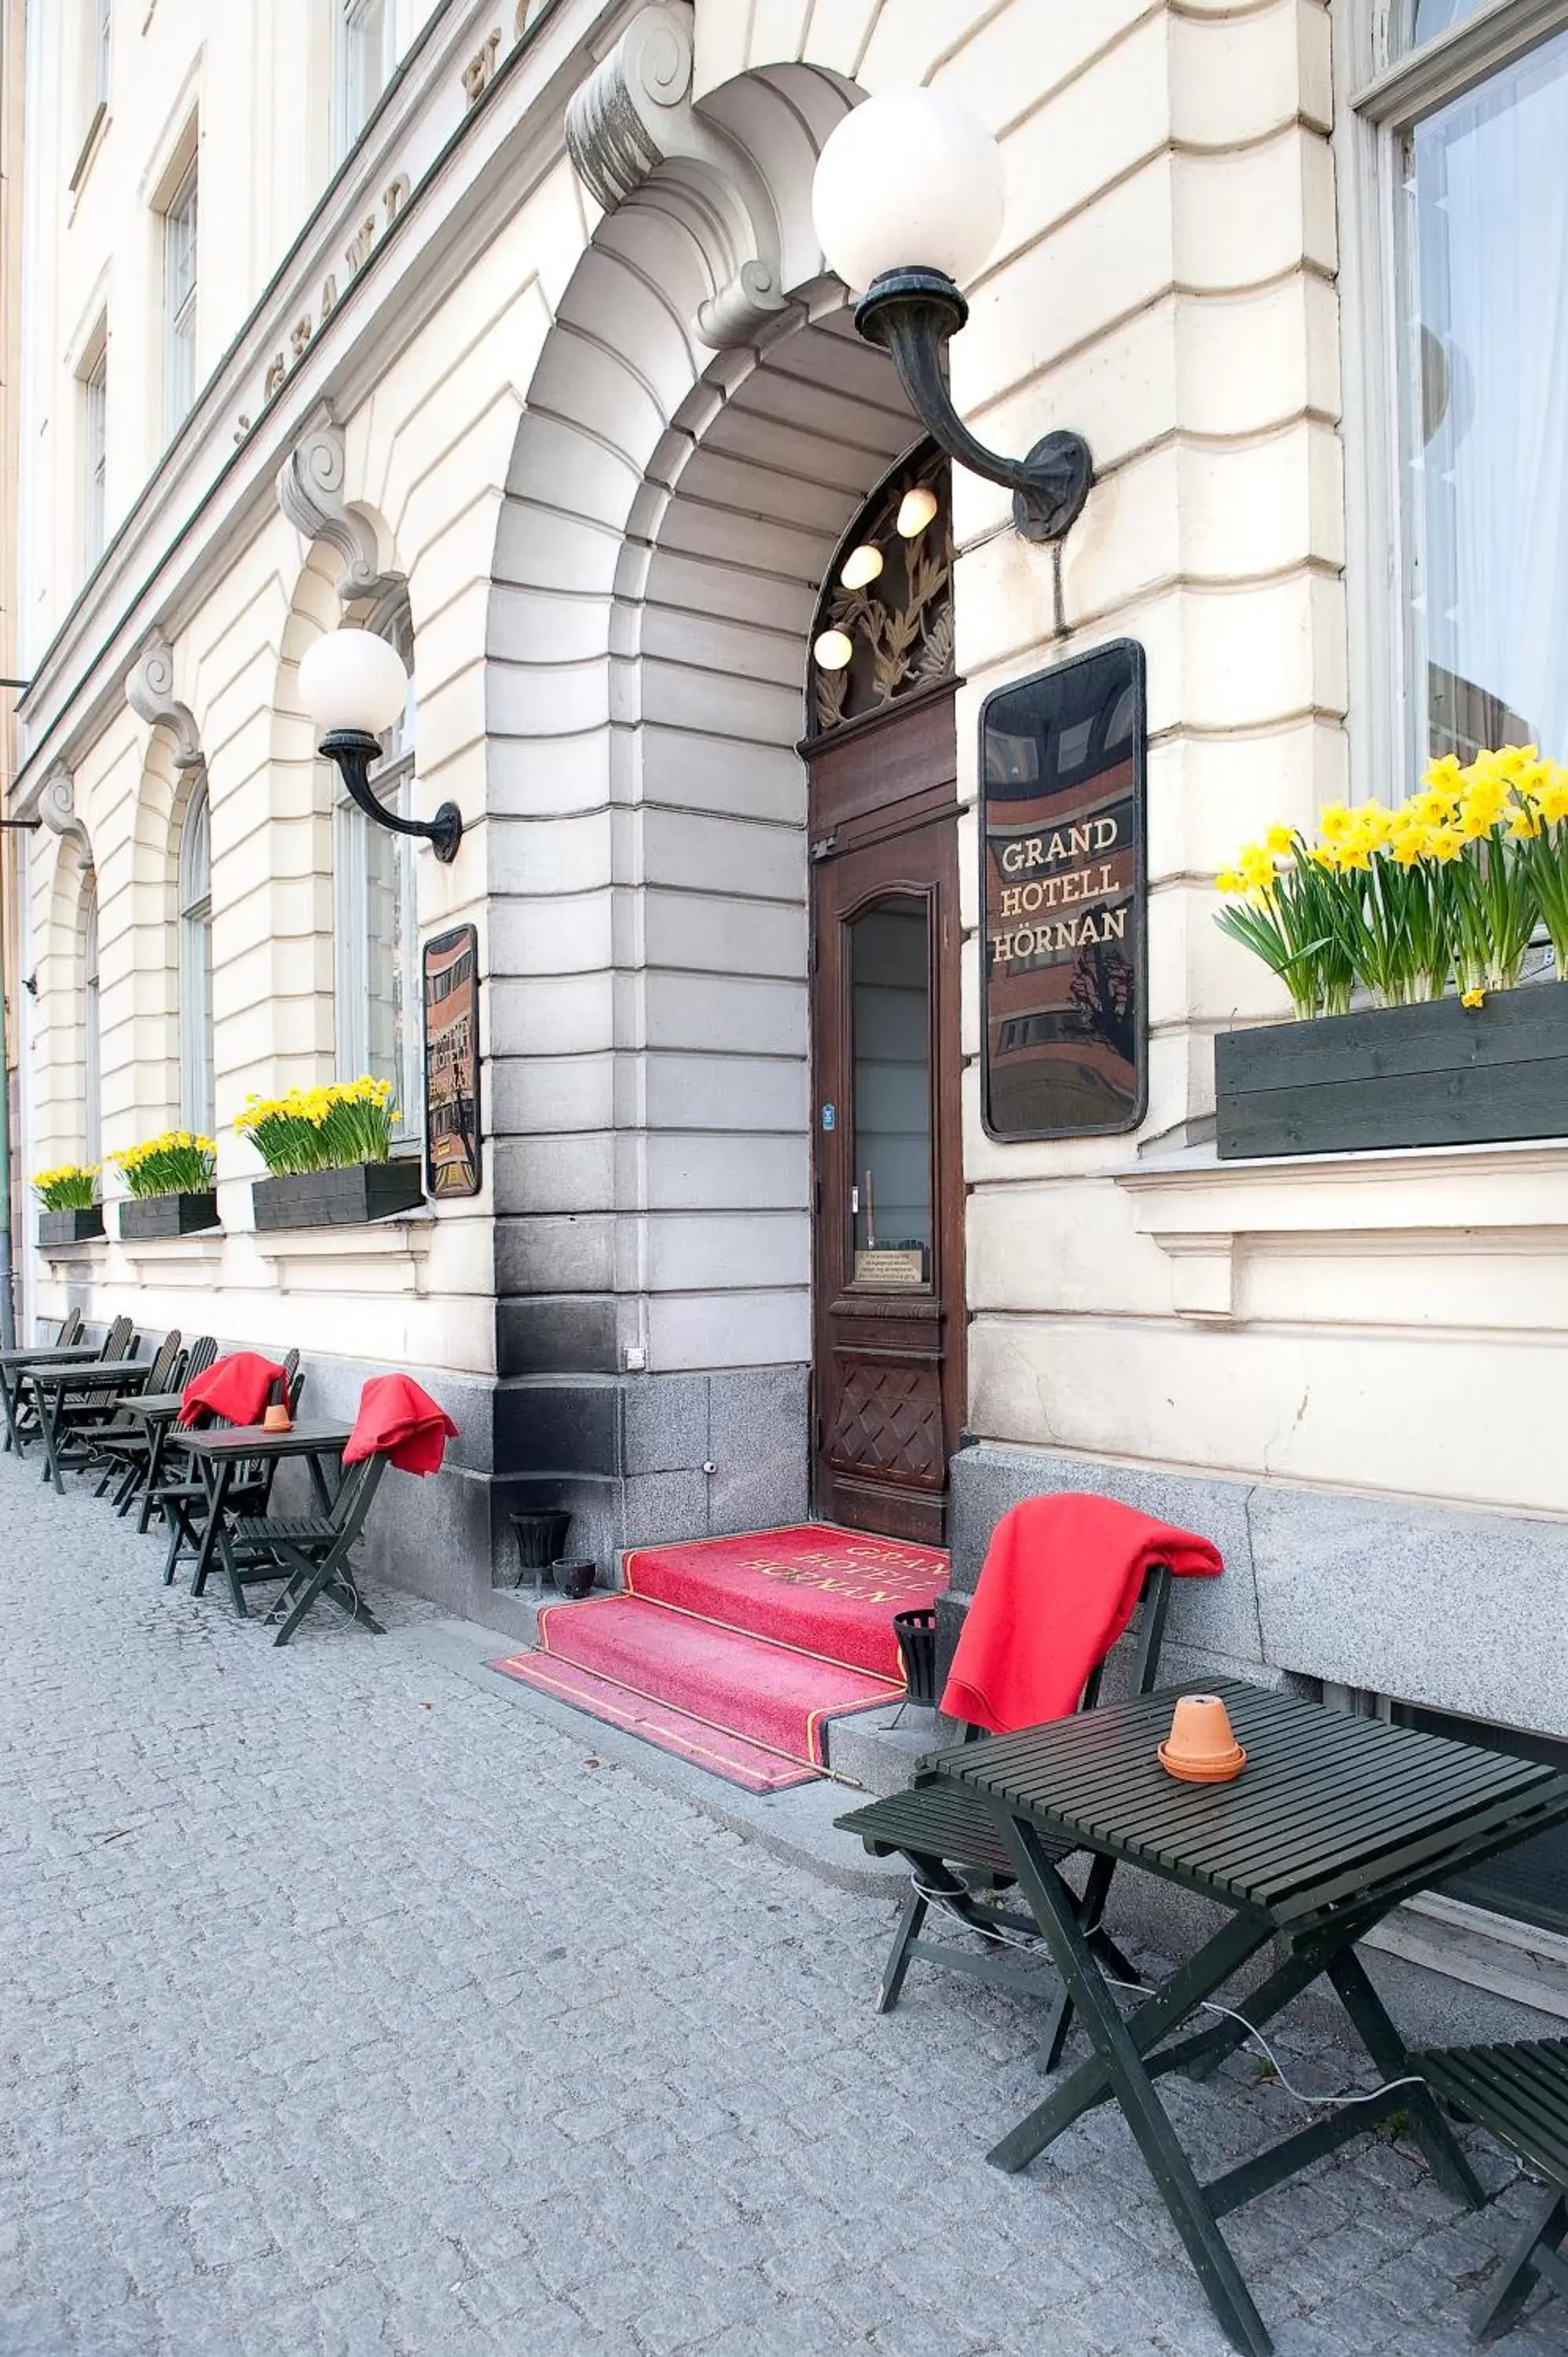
[(1459, 1611)]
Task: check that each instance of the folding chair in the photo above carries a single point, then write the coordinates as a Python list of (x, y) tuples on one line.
[(953, 1852), (310, 1553), (184, 1497), (164, 1437), (1519, 2094), (123, 1434)]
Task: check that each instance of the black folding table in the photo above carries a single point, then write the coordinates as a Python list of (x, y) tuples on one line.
[(1334, 1820), (15, 1364)]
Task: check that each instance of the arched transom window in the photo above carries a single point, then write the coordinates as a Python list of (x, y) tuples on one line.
[(885, 620)]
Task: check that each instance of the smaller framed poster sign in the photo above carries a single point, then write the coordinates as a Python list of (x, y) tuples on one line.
[(453, 1159), (1063, 899)]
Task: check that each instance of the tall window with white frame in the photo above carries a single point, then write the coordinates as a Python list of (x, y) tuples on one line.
[(95, 452), (179, 300), (1471, 110), (376, 975), (198, 1109), (91, 1036), (366, 53)]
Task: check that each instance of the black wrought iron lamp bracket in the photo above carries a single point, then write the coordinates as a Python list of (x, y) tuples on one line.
[(353, 750), (911, 314)]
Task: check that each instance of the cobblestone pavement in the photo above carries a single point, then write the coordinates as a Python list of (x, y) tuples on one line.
[(347, 2007)]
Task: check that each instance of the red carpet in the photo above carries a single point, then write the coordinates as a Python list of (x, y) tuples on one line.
[(734, 1653), (827, 1591)]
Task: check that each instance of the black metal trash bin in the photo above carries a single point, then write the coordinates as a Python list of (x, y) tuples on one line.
[(917, 1635)]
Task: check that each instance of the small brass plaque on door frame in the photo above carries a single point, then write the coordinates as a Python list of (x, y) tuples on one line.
[(892, 1265)]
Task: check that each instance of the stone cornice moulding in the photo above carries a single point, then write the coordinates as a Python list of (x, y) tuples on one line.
[(149, 691), (1208, 1216), (57, 807), (212, 494), (634, 117), (310, 492)]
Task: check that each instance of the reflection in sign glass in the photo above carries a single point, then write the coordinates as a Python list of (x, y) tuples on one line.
[(1062, 895), (452, 1064)]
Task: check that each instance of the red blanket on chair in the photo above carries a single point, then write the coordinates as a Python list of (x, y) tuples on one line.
[(1060, 1582), (235, 1387), (396, 1416)]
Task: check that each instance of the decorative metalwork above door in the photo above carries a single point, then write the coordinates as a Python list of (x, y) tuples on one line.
[(885, 620)]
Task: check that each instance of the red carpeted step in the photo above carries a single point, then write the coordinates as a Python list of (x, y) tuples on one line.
[(675, 1731), (826, 1591), (767, 1694)]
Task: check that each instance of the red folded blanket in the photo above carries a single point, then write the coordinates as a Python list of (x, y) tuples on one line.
[(1060, 1583), (235, 1388), (397, 1417)]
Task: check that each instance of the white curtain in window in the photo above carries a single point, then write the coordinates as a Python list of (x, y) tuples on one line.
[(92, 1046), (197, 1109), (1488, 435)]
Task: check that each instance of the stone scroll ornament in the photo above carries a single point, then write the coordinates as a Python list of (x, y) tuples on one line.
[(149, 691), (310, 493), (57, 807), (634, 117)]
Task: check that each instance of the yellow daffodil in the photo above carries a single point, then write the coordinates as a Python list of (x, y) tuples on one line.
[(1336, 821), (1280, 840), (1472, 997)]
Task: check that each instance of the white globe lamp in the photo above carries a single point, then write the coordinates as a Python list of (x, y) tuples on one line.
[(353, 684), (353, 680), (908, 178), (909, 202)]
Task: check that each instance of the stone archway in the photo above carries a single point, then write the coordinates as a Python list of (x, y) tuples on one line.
[(670, 512)]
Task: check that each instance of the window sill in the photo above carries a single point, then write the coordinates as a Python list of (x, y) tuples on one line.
[(177, 1261), (1211, 1219), (1511, 1958), (384, 1256), (96, 131)]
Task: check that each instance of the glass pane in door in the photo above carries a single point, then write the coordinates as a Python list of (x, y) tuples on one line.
[(890, 1059)]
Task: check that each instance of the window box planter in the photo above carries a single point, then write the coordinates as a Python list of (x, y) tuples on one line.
[(167, 1215), (1441, 1074), (58, 1231), (338, 1198)]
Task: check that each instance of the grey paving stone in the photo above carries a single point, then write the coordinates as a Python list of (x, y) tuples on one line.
[(333, 2025)]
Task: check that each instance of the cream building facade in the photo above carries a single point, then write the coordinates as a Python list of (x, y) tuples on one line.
[(510, 336)]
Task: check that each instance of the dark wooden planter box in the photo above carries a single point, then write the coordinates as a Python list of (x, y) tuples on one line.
[(168, 1215), (338, 1198), (1437, 1075), (59, 1229)]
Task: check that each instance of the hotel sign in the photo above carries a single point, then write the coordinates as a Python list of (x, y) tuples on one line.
[(452, 1151), (1063, 899)]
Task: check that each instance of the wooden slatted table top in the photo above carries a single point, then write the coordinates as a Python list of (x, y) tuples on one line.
[(94, 1373), (49, 1354), (159, 1407), (254, 1441), (1329, 1812)]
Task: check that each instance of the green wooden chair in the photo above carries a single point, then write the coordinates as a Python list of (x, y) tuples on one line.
[(311, 1554), (954, 1854), (182, 1495), (1519, 2094), (120, 1442)]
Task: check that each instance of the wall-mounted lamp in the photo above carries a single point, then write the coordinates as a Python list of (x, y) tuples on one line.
[(908, 199), (353, 685)]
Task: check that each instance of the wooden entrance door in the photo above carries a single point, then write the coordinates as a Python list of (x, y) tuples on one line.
[(888, 1376)]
